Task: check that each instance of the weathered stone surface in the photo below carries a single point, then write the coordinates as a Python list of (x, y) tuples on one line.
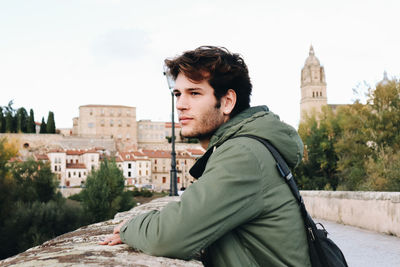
[(375, 211), (80, 247)]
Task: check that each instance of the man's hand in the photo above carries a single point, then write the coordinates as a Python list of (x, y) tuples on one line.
[(115, 238)]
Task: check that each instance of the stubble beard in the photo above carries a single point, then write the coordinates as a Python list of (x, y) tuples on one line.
[(206, 125)]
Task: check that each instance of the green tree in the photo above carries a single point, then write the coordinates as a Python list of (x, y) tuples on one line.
[(10, 119), (103, 196), (32, 211), (43, 127), (31, 127), (51, 125), (22, 120), (2, 121), (9, 123), (318, 169)]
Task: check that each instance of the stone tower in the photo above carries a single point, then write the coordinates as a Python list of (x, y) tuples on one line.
[(313, 86)]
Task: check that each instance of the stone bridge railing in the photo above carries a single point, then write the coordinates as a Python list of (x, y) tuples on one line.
[(376, 211), (80, 248)]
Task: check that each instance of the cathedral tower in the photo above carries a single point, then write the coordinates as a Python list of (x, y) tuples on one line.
[(313, 86)]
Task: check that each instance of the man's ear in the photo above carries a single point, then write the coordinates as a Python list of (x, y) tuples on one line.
[(228, 102)]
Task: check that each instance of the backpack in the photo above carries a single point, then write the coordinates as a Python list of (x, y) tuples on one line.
[(323, 251)]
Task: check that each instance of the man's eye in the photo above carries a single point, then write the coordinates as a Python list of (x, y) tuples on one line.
[(177, 94), (195, 93)]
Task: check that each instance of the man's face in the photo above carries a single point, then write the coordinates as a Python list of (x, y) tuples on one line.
[(197, 108)]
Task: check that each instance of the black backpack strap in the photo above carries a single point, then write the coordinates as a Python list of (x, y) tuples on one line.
[(318, 254)]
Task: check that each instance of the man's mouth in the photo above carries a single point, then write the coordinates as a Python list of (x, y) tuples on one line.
[(184, 120)]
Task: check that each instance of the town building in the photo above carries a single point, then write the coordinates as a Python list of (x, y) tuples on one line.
[(152, 133), (107, 121), (73, 166)]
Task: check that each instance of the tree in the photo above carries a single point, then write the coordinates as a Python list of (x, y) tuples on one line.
[(318, 169), (51, 125), (31, 210), (35, 181), (2, 121), (31, 127), (103, 195), (8, 150), (9, 123), (43, 127), (22, 120)]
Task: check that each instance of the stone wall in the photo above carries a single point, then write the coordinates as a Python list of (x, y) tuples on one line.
[(375, 211), (80, 247), (41, 143)]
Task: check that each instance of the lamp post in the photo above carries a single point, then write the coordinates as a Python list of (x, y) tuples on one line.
[(173, 185)]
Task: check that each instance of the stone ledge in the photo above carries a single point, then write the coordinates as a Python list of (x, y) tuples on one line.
[(80, 248), (361, 195)]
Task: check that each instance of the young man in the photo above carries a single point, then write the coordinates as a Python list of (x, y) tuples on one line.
[(240, 212)]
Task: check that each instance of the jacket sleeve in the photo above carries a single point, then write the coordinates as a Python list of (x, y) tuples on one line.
[(226, 195)]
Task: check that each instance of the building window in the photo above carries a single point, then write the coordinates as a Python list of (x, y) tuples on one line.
[(69, 174), (79, 175), (55, 168), (179, 180), (129, 165), (76, 161), (129, 174), (140, 172), (74, 174), (91, 112), (164, 180), (119, 123), (147, 172), (111, 123), (102, 123)]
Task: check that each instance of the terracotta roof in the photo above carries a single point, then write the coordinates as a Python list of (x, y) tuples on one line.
[(197, 152), (169, 125), (138, 154), (41, 157), (75, 152), (80, 152), (76, 166), (127, 156), (157, 153)]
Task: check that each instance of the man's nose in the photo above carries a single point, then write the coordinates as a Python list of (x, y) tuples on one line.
[(181, 103)]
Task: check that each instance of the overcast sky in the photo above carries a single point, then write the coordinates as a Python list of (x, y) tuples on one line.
[(58, 55)]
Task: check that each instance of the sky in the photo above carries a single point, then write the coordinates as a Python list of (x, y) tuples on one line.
[(58, 55)]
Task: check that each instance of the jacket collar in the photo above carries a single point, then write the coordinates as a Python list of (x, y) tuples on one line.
[(224, 132)]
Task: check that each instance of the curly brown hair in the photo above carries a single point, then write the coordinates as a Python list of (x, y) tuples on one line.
[(222, 69)]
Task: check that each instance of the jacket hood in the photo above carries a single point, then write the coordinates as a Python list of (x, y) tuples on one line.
[(261, 122)]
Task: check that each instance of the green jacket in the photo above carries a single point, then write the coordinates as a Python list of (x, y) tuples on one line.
[(240, 212)]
